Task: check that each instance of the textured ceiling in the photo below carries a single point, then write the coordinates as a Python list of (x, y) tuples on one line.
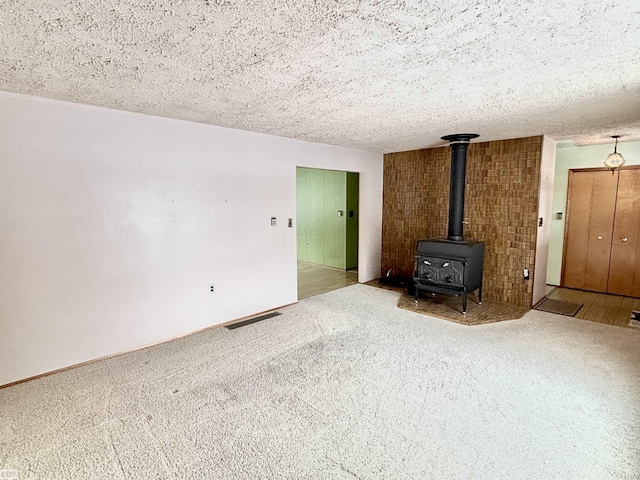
[(377, 75)]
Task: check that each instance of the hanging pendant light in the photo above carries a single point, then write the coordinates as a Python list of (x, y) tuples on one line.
[(614, 160)]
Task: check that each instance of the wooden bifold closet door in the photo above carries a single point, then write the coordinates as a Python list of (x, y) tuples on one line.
[(624, 267), (602, 248)]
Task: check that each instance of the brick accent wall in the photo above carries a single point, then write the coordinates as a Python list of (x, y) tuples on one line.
[(501, 206)]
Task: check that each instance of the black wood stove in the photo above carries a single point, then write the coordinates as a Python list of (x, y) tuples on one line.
[(451, 266)]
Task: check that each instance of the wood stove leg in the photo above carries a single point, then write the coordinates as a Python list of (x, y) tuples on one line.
[(480, 295), (464, 303)]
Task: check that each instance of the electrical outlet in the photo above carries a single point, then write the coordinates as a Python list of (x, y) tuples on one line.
[(212, 288), (525, 273), (273, 221)]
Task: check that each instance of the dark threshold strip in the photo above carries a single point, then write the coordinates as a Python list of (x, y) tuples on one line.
[(252, 320)]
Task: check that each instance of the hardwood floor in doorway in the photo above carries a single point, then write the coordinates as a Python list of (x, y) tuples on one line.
[(599, 307), (317, 279)]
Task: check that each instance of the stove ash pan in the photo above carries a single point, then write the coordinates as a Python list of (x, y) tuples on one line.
[(449, 267)]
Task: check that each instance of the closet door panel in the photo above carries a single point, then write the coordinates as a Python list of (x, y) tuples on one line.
[(591, 207), (624, 269), (603, 208), (579, 210)]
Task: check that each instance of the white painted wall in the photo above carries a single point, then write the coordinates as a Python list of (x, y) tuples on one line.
[(570, 157), (545, 197), (114, 224)]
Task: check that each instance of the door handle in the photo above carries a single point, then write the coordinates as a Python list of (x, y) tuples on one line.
[(625, 239)]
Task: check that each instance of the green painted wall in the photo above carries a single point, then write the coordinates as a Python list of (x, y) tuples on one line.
[(323, 234)]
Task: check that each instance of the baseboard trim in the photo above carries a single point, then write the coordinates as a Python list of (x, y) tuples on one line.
[(124, 352)]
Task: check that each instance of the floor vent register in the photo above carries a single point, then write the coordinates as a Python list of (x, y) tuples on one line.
[(249, 321)]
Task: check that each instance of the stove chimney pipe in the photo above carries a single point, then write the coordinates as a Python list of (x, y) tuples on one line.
[(459, 144)]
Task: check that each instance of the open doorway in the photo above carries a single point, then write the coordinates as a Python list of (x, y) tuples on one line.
[(327, 214)]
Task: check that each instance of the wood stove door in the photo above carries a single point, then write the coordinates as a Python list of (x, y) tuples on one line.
[(440, 271)]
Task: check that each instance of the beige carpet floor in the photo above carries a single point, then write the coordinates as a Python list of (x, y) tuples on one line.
[(343, 385)]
